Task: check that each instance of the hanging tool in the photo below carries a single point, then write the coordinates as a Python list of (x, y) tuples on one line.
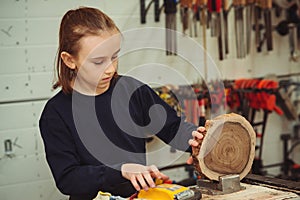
[(249, 16), (298, 22), (282, 28), (226, 9), (257, 26), (285, 101), (196, 16), (278, 9), (202, 4), (8, 148), (156, 10), (185, 6), (266, 5), (293, 17), (214, 7), (293, 42), (171, 40), (144, 9), (239, 27)]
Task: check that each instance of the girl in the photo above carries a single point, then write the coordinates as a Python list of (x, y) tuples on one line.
[(94, 130)]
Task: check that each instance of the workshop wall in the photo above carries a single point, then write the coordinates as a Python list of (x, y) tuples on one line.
[(28, 43)]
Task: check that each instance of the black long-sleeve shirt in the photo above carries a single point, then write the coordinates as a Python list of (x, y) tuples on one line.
[(88, 138)]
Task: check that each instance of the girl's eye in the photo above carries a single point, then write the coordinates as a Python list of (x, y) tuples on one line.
[(114, 57), (98, 63)]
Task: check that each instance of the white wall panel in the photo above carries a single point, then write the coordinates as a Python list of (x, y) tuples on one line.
[(13, 32), (25, 142), (13, 60), (38, 8), (234, 69), (25, 86), (128, 9), (41, 84), (41, 58), (20, 115), (23, 169), (39, 190), (155, 68), (12, 9), (124, 23), (14, 87), (37, 108), (42, 31)]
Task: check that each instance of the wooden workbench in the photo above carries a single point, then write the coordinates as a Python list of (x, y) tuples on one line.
[(253, 192), (257, 188)]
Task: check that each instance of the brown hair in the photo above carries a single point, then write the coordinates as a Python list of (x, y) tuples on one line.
[(75, 25)]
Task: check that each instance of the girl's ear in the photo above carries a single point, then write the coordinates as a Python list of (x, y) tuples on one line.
[(68, 59)]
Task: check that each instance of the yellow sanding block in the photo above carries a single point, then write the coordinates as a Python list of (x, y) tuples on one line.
[(167, 192)]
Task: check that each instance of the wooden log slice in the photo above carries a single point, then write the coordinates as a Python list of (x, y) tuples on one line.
[(227, 148)]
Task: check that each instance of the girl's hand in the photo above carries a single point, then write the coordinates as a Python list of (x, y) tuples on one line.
[(141, 176), (197, 135)]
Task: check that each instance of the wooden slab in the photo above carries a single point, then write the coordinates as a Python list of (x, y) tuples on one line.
[(227, 148)]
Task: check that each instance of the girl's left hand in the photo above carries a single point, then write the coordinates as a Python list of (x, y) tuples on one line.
[(197, 135), (140, 176)]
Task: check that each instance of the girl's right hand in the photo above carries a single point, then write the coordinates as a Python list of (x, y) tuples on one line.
[(197, 135), (140, 176)]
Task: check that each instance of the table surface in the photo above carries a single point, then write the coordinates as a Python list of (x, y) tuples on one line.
[(251, 192), (254, 192)]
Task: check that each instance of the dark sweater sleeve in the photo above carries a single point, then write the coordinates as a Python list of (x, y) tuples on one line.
[(70, 175), (176, 131)]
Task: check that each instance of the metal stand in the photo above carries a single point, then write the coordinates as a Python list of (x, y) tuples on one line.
[(227, 184)]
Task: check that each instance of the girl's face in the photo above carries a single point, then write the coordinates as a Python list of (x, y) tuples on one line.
[(97, 62)]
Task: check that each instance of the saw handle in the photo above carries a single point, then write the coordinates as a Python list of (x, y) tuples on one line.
[(202, 2), (225, 5), (266, 4), (239, 2), (186, 3)]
